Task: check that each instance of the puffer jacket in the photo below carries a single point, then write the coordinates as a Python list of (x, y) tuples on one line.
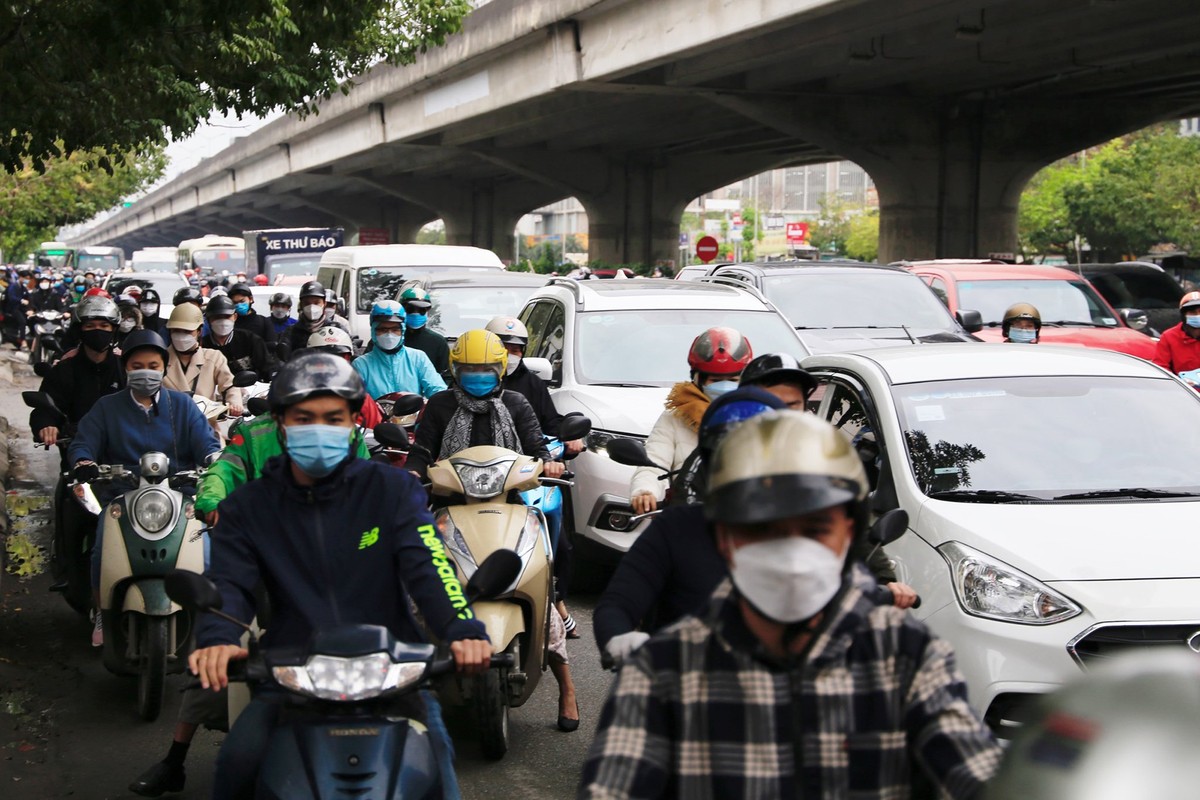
[(671, 441)]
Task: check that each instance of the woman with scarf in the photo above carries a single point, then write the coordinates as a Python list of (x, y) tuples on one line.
[(716, 360)]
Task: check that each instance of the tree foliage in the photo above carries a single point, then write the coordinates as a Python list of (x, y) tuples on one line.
[(115, 74), (829, 233), (862, 237), (69, 189)]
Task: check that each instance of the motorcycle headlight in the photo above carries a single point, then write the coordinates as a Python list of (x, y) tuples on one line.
[(349, 679), (991, 589), (531, 533), (482, 481), (456, 544), (153, 510), (597, 441)]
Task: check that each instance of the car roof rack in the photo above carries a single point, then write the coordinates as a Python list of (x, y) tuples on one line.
[(725, 280), (569, 283)]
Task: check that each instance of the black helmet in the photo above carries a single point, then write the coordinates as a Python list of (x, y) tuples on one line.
[(313, 374), (312, 289), (150, 296), (772, 369), (241, 288), (220, 306), (281, 299), (188, 294), (140, 340)]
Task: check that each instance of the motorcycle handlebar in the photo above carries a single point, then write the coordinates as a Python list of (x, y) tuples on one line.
[(444, 666), (883, 596)]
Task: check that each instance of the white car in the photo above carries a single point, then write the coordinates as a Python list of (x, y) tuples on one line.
[(614, 350), (1052, 495)]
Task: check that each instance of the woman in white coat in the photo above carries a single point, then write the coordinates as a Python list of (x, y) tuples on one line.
[(200, 370)]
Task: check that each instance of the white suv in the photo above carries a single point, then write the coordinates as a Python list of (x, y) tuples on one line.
[(614, 349)]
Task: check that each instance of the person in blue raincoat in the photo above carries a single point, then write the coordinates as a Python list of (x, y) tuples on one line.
[(390, 366)]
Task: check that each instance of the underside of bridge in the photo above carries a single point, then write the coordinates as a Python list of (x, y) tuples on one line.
[(950, 105)]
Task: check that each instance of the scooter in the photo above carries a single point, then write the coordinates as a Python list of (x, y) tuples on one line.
[(345, 728), (480, 520), (46, 327), (148, 531)]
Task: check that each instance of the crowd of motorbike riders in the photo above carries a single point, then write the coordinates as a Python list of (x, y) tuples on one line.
[(759, 635)]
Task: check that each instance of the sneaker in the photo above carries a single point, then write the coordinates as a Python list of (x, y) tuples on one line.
[(159, 779), (98, 630)]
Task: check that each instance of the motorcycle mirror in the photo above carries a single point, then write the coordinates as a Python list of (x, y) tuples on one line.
[(889, 527), (192, 590), (408, 404), (497, 572), (575, 426), (245, 378), (41, 369), (630, 452), (258, 406), (41, 401), (391, 435)]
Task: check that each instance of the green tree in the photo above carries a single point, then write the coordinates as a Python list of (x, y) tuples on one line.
[(115, 74), (750, 246), (431, 236), (69, 190), (828, 234), (1044, 222), (862, 236)]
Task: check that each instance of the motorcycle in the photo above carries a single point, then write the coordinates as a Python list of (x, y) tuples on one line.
[(345, 728), (480, 520), (47, 329), (148, 531)]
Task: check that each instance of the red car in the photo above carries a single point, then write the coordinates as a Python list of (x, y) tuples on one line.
[(1072, 311)]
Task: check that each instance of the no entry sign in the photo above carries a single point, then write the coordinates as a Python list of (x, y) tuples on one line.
[(706, 249)]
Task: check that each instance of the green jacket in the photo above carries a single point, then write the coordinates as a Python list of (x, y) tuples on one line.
[(243, 460)]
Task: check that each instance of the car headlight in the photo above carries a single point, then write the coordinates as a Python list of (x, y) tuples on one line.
[(991, 589), (597, 440), (153, 510), (349, 679), (456, 543), (482, 481)]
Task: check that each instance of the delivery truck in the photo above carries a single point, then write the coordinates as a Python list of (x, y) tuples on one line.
[(288, 252)]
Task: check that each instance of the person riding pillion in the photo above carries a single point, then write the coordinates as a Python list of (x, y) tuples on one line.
[(368, 527), (390, 366), (243, 349), (715, 360)]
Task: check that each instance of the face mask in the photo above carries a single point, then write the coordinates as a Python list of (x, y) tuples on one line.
[(318, 449), (329, 312), (1021, 335), (221, 327), (718, 388), (242, 308), (313, 312), (183, 342), (126, 325), (387, 341), (787, 580), (144, 382), (1193, 322), (44, 285), (416, 320), (96, 340), (279, 312), (478, 384), (513, 363), (149, 309)]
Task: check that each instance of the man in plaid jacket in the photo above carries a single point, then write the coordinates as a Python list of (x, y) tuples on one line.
[(793, 683)]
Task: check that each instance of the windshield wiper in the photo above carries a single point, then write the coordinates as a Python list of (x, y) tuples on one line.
[(1075, 323), (1134, 493), (986, 496), (628, 385)]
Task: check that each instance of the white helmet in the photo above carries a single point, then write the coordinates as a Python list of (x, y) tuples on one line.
[(510, 330), (331, 339), (97, 307)]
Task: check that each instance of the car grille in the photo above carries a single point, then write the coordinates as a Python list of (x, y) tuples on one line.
[(1106, 641)]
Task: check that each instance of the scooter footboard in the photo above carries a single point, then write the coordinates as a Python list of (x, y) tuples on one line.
[(352, 757)]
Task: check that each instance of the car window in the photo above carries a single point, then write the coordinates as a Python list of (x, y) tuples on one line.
[(535, 318), (1144, 290), (327, 276), (856, 299), (845, 411), (376, 283), (938, 287), (344, 292), (1057, 301), (166, 285), (554, 338)]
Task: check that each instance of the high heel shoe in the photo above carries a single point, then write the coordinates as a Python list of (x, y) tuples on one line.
[(566, 724)]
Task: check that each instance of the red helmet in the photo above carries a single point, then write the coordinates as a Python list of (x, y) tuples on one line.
[(260, 280), (720, 351), (96, 291)]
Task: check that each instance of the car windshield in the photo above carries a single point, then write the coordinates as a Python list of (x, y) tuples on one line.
[(461, 308), (1057, 301), (218, 260), (166, 286), (865, 299), (650, 347), (383, 283), (85, 262), (292, 264), (1050, 436)]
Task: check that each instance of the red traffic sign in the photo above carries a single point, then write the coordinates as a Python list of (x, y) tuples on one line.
[(797, 232), (706, 249)]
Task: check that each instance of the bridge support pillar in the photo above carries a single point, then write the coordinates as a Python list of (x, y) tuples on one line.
[(485, 214), (634, 219)]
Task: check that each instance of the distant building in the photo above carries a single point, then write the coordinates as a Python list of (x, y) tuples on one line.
[(1189, 127)]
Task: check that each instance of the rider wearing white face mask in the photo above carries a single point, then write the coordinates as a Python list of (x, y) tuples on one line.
[(243, 349), (835, 695), (198, 370), (310, 316)]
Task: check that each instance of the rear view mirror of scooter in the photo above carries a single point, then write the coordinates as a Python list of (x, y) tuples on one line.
[(574, 426), (42, 369), (407, 405), (258, 406), (888, 528), (40, 401), (631, 453), (192, 590), (245, 379), (391, 435), (498, 571)]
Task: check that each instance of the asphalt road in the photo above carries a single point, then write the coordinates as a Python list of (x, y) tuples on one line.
[(68, 727)]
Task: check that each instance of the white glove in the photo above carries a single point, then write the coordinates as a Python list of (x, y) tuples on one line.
[(622, 646)]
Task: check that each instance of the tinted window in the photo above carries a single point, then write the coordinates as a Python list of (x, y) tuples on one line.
[(1145, 290), (866, 299), (535, 318)]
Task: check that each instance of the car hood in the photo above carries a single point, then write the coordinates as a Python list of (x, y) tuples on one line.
[(1074, 541), (620, 409), (830, 340), (1122, 340)]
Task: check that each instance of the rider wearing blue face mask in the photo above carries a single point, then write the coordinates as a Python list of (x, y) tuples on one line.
[(247, 318), (477, 411), (1022, 324), (390, 366), (417, 334), (716, 360)]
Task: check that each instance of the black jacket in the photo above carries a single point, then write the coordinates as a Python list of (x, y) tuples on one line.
[(533, 389), (75, 384), (351, 549), (259, 325), (432, 344), (441, 407), (47, 300), (244, 351), (158, 325)]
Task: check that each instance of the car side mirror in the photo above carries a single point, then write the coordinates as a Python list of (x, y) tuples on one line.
[(540, 367), (972, 321), (1135, 318)]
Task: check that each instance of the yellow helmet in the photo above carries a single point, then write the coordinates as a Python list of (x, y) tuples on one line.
[(478, 348)]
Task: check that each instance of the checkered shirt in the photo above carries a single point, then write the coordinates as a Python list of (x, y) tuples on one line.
[(875, 708)]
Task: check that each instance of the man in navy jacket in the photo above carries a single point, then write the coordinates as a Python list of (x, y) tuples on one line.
[(335, 540)]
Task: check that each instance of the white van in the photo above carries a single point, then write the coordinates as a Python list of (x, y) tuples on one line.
[(360, 274)]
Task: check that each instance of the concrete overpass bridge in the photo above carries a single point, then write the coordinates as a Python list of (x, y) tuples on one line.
[(637, 107)]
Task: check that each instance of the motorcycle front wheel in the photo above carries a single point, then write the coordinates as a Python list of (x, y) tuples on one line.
[(491, 707), (155, 641)]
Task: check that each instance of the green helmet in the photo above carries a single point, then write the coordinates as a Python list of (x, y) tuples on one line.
[(415, 297)]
